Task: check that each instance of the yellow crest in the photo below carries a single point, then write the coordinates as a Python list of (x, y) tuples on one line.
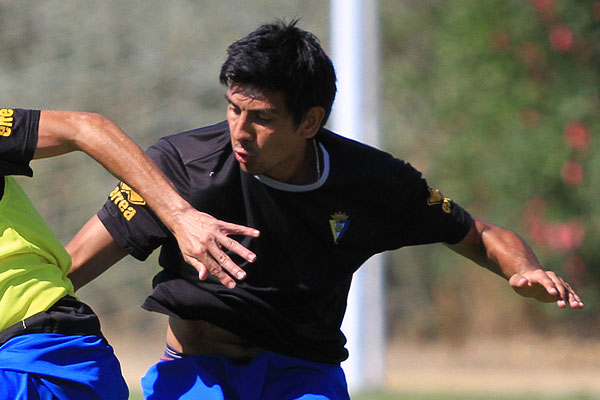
[(436, 197), (339, 223)]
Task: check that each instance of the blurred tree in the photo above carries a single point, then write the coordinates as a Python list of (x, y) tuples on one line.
[(151, 67), (498, 102), (495, 101)]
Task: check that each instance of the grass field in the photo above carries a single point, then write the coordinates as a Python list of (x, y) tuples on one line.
[(408, 396), (459, 397), (481, 370), (391, 396)]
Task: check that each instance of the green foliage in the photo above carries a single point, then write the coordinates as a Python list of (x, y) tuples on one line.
[(496, 101), (475, 96)]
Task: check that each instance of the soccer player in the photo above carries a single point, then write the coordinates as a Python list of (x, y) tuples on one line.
[(51, 345), (323, 204)]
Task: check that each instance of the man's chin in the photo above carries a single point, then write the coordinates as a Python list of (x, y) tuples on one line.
[(249, 169)]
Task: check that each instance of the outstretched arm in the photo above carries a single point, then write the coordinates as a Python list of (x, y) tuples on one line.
[(201, 237), (503, 252)]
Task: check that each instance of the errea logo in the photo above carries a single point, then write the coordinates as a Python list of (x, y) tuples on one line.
[(123, 196), (6, 121)]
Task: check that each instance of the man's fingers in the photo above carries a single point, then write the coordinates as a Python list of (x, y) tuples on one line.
[(227, 263), (232, 245), (546, 286), (552, 283), (235, 247), (218, 264), (574, 299), (566, 294), (200, 267), (234, 229), (215, 269), (207, 252)]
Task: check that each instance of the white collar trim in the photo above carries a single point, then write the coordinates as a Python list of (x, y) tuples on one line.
[(288, 187)]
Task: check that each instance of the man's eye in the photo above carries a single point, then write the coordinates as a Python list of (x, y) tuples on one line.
[(263, 118)]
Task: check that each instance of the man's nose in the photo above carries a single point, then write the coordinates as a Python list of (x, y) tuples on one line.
[(243, 128)]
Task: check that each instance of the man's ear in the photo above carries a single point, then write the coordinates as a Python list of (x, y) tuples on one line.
[(311, 123)]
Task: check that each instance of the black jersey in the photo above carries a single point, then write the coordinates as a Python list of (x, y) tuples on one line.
[(313, 237), (18, 140)]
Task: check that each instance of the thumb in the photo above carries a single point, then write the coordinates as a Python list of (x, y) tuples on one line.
[(519, 281)]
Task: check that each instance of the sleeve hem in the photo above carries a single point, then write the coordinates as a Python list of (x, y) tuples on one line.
[(106, 218)]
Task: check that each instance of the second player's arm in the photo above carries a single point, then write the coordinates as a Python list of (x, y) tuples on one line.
[(200, 236), (93, 250)]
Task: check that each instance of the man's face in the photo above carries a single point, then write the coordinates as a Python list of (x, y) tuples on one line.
[(264, 137)]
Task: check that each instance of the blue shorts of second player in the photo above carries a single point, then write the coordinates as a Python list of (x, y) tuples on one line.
[(50, 366), (269, 376)]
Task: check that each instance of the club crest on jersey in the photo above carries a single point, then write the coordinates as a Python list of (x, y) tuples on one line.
[(123, 196), (436, 197), (339, 223)]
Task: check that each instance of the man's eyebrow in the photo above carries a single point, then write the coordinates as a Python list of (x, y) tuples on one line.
[(228, 99), (257, 110)]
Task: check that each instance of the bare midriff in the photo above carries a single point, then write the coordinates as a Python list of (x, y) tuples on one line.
[(191, 337)]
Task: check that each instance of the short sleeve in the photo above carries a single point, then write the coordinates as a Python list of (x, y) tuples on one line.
[(128, 218), (18, 140), (427, 215)]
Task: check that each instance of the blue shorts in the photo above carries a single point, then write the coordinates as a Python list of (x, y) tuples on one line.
[(53, 366), (269, 376)]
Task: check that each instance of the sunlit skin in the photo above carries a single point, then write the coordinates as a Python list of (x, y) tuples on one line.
[(265, 138)]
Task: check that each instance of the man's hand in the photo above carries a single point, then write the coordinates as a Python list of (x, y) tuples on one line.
[(203, 240), (545, 286), (503, 252)]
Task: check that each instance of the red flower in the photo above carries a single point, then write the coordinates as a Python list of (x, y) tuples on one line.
[(545, 8), (565, 236), (561, 38), (577, 135), (543, 5), (572, 173)]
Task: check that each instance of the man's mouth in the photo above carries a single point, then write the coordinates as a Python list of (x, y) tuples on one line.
[(242, 156)]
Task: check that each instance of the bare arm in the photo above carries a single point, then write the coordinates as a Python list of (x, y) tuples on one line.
[(93, 250), (200, 236), (502, 251)]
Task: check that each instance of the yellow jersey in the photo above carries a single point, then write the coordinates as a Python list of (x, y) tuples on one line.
[(33, 263)]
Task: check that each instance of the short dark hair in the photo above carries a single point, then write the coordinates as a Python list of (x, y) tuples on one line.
[(281, 57)]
